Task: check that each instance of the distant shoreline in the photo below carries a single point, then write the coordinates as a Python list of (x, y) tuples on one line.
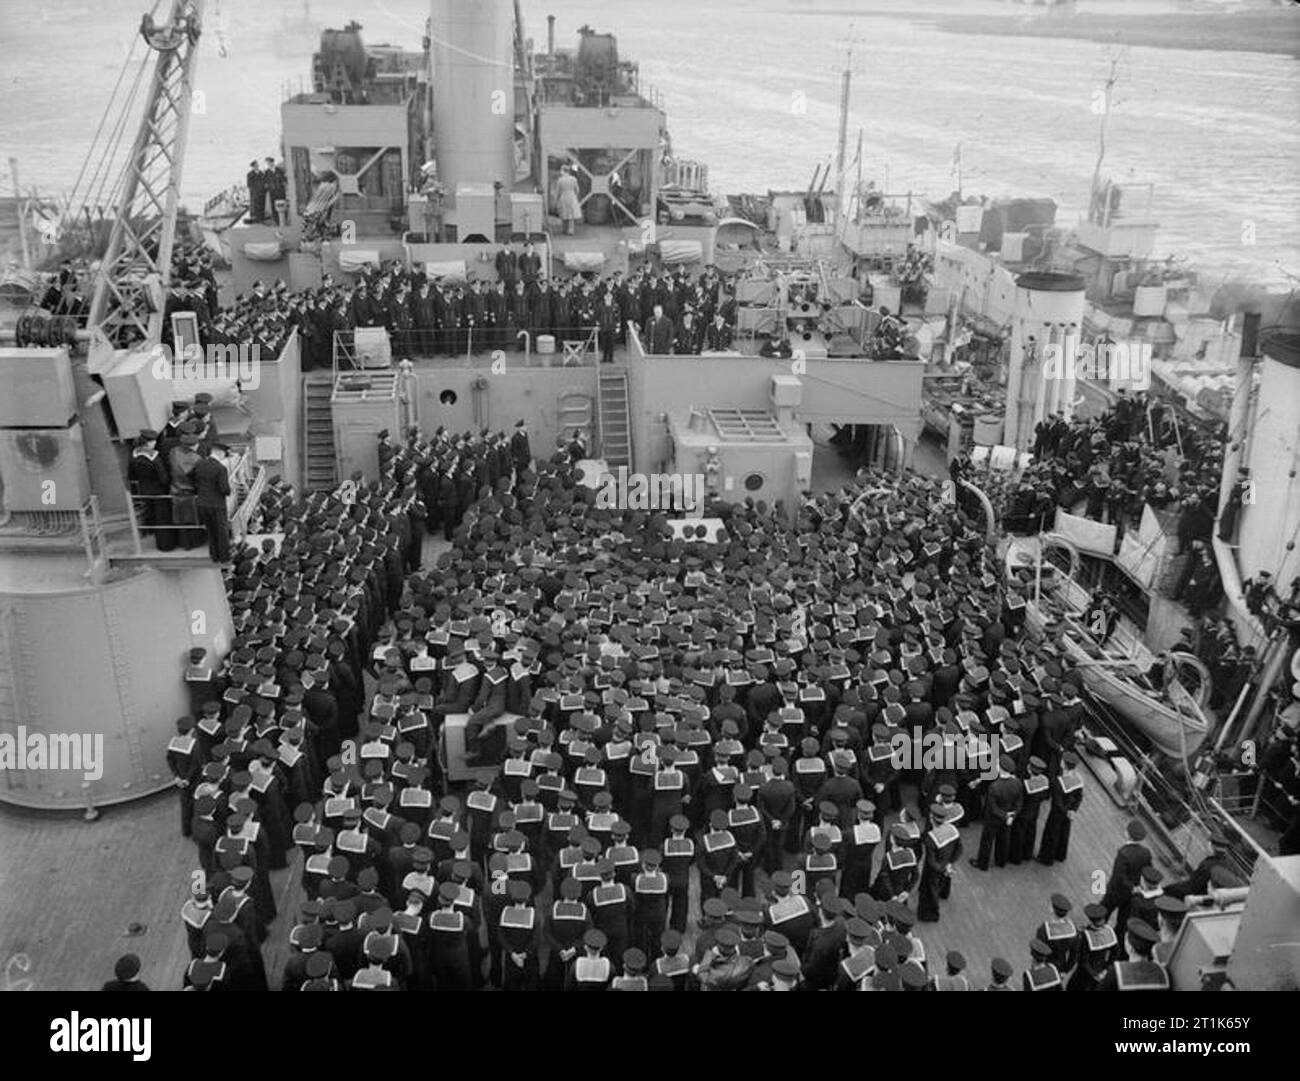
[(1273, 32)]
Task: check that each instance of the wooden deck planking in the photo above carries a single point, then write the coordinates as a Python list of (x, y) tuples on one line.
[(71, 888), (994, 913)]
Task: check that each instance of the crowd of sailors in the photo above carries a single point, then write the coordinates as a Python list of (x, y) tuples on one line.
[(1108, 467), (700, 785), (676, 311)]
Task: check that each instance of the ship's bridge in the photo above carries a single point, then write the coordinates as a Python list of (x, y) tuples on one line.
[(595, 118), (361, 122)]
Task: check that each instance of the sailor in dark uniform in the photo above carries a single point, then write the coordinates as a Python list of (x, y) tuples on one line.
[(1198, 883), (1172, 911), (243, 955), (790, 913), (530, 266), (954, 978), (591, 970), (678, 858), (209, 972), (1125, 875), (1041, 975), (1096, 948), (186, 764), (1140, 973), (449, 947), (650, 901), (719, 857), (126, 975), (634, 972), (1002, 804), (826, 945), (746, 826), (256, 182), (860, 842), (1060, 933), (519, 935), (569, 921), (673, 964), (1002, 972), (521, 454), (861, 943), (1024, 830), (1066, 795), (1146, 893), (942, 846), (147, 473), (898, 870)]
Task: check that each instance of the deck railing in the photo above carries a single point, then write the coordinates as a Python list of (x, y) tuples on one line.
[(83, 526), (575, 346)]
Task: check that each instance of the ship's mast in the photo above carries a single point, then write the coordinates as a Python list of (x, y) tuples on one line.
[(857, 186), (1101, 141), (841, 203)]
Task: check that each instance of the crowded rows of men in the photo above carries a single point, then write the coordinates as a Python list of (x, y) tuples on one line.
[(677, 311), (688, 757), (1108, 467)]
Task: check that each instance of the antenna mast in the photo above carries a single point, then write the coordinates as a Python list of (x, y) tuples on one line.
[(1093, 210), (841, 203)]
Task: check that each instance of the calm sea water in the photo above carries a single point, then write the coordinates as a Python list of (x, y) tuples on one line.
[(752, 88)]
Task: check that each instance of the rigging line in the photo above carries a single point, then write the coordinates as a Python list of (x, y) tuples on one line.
[(1236, 432), (111, 169), (106, 164), (108, 105), (855, 391), (1282, 547), (435, 39)]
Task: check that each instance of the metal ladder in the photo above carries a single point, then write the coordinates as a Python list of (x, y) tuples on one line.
[(576, 412), (319, 464), (614, 420)]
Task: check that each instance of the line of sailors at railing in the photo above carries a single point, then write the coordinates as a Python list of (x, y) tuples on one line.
[(439, 316)]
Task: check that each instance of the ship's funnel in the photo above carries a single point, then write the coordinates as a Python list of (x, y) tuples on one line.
[(473, 78), (1048, 312)]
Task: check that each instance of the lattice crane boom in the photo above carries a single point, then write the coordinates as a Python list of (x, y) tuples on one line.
[(131, 286)]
